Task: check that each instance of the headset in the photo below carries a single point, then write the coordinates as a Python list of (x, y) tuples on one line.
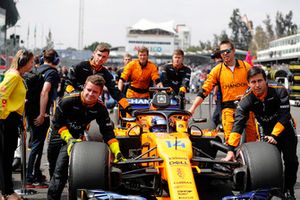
[(23, 59), (55, 59)]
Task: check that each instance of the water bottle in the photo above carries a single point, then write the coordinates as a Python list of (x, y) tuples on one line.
[(116, 115)]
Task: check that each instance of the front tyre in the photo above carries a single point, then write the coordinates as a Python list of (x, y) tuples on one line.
[(89, 167), (264, 165)]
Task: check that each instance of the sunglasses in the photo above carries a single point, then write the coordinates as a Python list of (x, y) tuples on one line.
[(225, 51)]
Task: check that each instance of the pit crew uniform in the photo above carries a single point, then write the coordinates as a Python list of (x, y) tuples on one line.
[(70, 120), (273, 114), (79, 73), (232, 84), (140, 78), (176, 78)]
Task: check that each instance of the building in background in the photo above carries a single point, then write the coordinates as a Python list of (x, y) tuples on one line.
[(2, 27), (283, 50), (160, 38), (183, 40)]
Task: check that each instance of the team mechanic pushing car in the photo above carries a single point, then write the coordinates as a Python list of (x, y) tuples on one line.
[(270, 104), (176, 75), (140, 72), (231, 77), (81, 71), (74, 112)]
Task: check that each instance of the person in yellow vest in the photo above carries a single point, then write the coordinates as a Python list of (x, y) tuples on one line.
[(231, 77), (12, 98)]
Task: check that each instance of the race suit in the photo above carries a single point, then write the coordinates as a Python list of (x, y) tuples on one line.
[(79, 73), (175, 78), (140, 78), (232, 84), (71, 114), (273, 114)]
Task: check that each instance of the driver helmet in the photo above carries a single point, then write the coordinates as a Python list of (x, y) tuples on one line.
[(158, 124)]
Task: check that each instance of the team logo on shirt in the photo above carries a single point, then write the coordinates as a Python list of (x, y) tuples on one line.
[(4, 102)]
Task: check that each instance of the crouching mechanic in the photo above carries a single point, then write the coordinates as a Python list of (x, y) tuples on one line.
[(74, 112), (270, 104)]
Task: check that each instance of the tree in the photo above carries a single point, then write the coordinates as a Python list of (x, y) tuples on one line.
[(260, 39), (223, 36), (279, 28), (269, 28), (290, 27), (235, 25), (202, 45), (215, 41), (241, 30), (193, 49), (93, 46), (49, 41)]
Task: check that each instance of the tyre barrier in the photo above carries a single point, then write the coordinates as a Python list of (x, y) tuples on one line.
[(274, 73), (294, 68)]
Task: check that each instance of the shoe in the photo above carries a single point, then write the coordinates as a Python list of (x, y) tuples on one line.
[(290, 195), (40, 185), (16, 164), (40, 178)]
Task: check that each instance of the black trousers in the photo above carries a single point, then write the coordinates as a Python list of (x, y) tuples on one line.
[(54, 146), (9, 131), (38, 137), (60, 175), (287, 145)]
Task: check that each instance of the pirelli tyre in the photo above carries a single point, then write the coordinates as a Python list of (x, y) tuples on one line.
[(294, 68), (294, 96), (296, 78), (278, 73), (295, 88), (89, 167), (264, 165)]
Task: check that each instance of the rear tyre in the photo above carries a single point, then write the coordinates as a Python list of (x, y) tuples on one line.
[(89, 167), (264, 165)]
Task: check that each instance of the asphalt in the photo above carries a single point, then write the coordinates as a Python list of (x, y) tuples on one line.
[(41, 194)]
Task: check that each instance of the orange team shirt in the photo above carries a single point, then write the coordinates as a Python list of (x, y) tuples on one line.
[(140, 78), (233, 83)]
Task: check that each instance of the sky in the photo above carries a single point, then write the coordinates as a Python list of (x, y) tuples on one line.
[(107, 21)]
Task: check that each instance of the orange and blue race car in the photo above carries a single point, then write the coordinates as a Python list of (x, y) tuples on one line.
[(169, 156)]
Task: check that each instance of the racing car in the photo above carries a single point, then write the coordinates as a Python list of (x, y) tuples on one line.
[(167, 153)]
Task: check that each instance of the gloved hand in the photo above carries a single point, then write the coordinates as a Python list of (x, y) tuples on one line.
[(115, 149), (68, 138), (70, 144), (69, 89), (182, 91), (119, 158)]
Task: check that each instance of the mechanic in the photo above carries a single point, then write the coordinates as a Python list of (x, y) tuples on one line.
[(231, 76), (270, 104), (73, 114), (126, 59), (140, 71), (81, 71), (39, 118), (216, 56), (176, 75)]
